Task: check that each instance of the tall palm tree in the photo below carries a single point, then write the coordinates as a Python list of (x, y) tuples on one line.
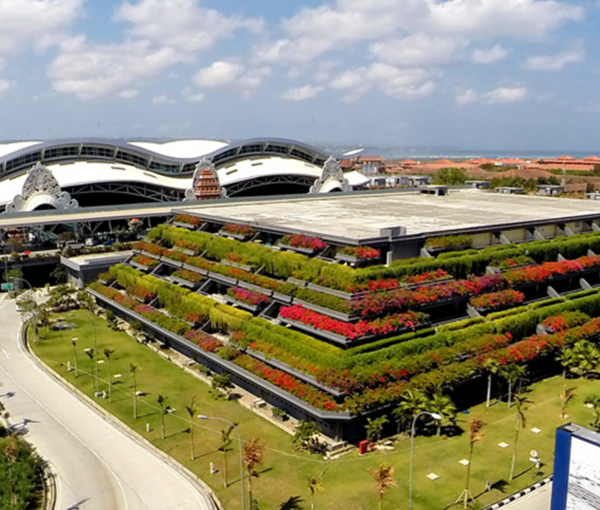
[(491, 366), (192, 410), (566, 396), (521, 423), (384, 479), (412, 403), (133, 369), (108, 353), (164, 409), (442, 405), (253, 456), (512, 373), (475, 435), (225, 443), (315, 484)]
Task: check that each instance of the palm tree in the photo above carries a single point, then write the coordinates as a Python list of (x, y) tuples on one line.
[(512, 373), (293, 503), (384, 479), (520, 424), (475, 435), (108, 353), (164, 409), (315, 484), (412, 403), (594, 403), (225, 443), (442, 405), (567, 359), (253, 456), (133, 369), (566, 396), (192, 410), (491, 366), (587, 357), (92, 355), (374, 428)]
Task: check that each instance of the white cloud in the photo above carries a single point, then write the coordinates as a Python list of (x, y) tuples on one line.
[(193, 97), (505, 95), (572, 55), (94, 70), (162, 99), (233, 75), (418, 50), (394, 82), (301, 93), (183, 25), (5, 86), (489, 56), (466, 97), (35, 23)]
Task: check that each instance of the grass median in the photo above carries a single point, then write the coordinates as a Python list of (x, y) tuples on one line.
[(285, 472)]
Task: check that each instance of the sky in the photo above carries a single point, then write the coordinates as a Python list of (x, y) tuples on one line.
[(516, 75)]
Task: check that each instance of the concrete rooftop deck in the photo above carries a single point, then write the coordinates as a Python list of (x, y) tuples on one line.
[(362, 215)]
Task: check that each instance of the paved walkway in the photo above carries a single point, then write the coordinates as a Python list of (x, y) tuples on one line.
[(537, 500), (99, 467)]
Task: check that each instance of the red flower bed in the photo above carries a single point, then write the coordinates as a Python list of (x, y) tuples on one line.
[(565, 320), (549, 269), (430, 276), (186, 245), (205, 342), (247, 296), (500, 299), (151, 248), (140, 292), (300, 241), (145, 261), (108, 292), (359, 329), (189, 219), (236, 229), (376, 285), (361, 252)]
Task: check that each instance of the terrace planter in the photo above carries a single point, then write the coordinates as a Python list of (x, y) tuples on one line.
[(198, 270), (184, 250), (254, 288), (443, 249), (298, 249), (237, 237), (108, 282), (346, 317), (333, 292), (186, 283), (241, 304), (354, 261), (333, 337), (412, 286), (180, 224), (222, 278), (141, 267), (147, 254), (226, 262), (282, 297), (295, 281)]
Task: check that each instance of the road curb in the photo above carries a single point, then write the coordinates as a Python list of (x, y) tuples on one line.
[(188, 475), (520, 494)]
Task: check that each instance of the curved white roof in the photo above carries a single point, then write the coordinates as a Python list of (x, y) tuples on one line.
[(252, 168), (7, 148), (183, 148)]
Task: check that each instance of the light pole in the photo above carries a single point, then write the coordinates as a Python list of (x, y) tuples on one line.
[(74, 342), (435, 416), (203, 417), (34, 313)]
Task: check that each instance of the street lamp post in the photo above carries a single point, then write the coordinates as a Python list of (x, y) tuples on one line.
[(203, 417), (435, 416), (74, 342)]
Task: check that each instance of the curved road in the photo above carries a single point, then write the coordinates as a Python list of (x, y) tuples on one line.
[(98, 466)]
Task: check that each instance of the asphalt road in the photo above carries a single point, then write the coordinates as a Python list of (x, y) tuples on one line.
[(98, 466)]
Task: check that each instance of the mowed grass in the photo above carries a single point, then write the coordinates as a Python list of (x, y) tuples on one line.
[(284, 473)]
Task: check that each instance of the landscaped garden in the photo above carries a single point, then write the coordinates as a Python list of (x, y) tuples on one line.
[(362, 350)]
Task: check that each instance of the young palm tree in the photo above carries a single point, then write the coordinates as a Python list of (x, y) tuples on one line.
[(492, 367), (567, 359), (520, 424), (512, 373), (594, 403), (315, 484), (374, 428), (164, 409), (566, 396), (412, 403), (225, 443), (192, 410), (587, 357), (133, 369), (384, 479), (293, 503), (92, 355), (442, 405), (108, 353), (475, 435), (253, 456)]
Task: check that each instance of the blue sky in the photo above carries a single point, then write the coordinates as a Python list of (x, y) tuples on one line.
[(477, 74)]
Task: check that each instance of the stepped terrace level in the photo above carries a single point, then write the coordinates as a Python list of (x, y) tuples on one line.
[(405, 219)]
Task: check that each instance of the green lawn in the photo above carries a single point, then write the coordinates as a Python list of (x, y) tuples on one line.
[(285, 472)]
